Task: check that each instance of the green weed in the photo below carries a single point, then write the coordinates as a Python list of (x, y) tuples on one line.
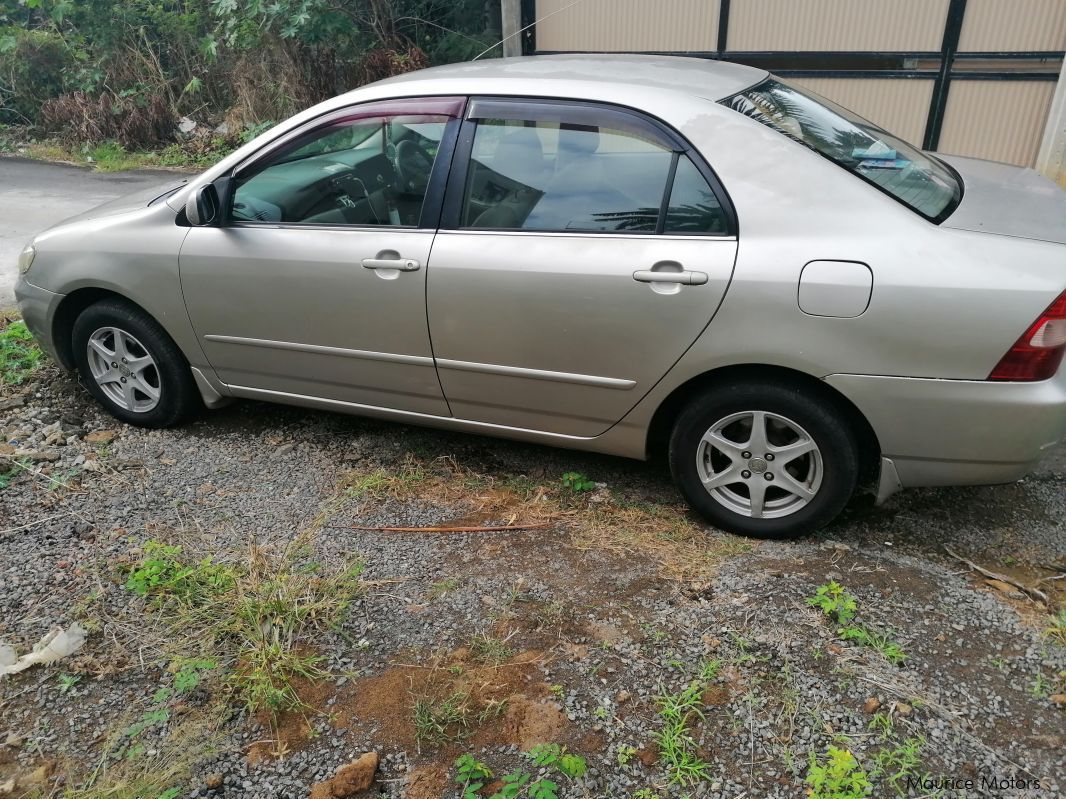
[(472, 775), (840, 606), (677, 747), (837, 775), (20, 356), (577, 482), (898, 764)]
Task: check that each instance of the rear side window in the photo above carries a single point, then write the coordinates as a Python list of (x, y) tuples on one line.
[(693, 207), (919, 181), (546, 175)]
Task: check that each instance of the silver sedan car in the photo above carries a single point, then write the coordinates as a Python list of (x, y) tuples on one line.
[(616, 254)]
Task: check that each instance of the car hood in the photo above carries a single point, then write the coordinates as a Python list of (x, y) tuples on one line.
[(1007, 200), (129, 202)]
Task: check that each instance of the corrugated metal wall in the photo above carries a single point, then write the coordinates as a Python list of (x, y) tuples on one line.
[(1009, 25), (629, 24), (836, 24), (998, 120), (1001, 119)]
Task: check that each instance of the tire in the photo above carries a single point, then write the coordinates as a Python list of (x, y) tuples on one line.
[(166, 393), (801, 495)]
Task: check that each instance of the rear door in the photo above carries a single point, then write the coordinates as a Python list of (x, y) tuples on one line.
[(583, 250)]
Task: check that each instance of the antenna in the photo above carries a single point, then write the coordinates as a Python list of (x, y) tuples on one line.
[(520, 31)]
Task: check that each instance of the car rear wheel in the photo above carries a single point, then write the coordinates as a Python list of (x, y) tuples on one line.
[(764, 460), (132, 367)]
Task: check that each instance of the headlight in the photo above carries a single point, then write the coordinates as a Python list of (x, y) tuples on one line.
[(26, 259)]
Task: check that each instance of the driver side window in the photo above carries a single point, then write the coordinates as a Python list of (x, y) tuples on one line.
[(364, 171)]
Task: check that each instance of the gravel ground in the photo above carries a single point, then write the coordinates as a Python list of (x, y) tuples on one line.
[(588, 637)]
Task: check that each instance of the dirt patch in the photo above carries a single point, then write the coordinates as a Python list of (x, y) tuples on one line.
[(291, 730), (427, 782), (527, 723), (499, 703), (350, 780)]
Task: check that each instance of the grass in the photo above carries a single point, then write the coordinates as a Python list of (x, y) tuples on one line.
[(605, 520), (253, 619), (440, 721), (678, 712), (489, 649), (20, 356), (110, 156), (677, 748), (1056, 628)]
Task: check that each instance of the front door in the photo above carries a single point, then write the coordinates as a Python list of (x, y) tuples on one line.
[(584, 251), (315, 283)]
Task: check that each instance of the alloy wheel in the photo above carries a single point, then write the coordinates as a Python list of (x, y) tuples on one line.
[(759, 464), (124, 369)]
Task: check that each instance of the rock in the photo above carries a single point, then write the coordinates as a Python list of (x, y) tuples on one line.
[(223, 129), (903, 708), (7, 788), (186, 125), (213, 781), (7, 449), (350, 780), (14, 740), (100, 437), (36, 455), (870, 705), (285, 449), (14, 402), (622, 697), (39, 776)]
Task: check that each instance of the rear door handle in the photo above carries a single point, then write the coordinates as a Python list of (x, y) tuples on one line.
[(399, 264), (685, 278)]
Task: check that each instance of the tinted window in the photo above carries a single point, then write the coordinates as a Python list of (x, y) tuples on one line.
[(371, 171), (897, 168), (564, 177), (693, 208)]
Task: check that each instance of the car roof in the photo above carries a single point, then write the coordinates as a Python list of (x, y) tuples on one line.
[(699, 77)]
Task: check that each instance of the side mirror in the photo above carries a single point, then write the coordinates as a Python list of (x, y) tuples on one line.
[(203, 207)]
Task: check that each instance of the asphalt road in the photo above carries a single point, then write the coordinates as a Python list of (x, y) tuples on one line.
[(35, 195)]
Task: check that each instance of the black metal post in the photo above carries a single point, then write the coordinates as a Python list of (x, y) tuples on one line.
[(950, 46), (723, 27)]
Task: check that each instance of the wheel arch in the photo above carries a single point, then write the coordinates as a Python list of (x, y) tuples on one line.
[(662, 421), (72, 306)]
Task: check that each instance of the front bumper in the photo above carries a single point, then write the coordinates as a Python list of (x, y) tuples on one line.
[(959, 432), (38, 308)]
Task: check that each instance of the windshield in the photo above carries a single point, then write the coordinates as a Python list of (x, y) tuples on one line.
[(901, 170)]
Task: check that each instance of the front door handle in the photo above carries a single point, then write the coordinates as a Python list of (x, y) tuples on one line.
[(399, 264), (685, 278)]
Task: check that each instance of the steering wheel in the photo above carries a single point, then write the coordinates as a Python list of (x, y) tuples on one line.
[(413, 166)]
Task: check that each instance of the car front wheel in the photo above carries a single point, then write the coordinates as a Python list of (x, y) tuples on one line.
[(763, 460), (132, 367)]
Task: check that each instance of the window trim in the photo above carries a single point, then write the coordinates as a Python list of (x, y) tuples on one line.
[(451, 106), (580, 112)]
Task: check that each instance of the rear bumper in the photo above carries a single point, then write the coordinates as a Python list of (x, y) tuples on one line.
[(38, 308), (959, 432)]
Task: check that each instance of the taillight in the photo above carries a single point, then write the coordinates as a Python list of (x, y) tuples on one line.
[(1038, 353)]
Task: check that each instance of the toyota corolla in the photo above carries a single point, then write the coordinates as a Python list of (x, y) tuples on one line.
[(617, 254)]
